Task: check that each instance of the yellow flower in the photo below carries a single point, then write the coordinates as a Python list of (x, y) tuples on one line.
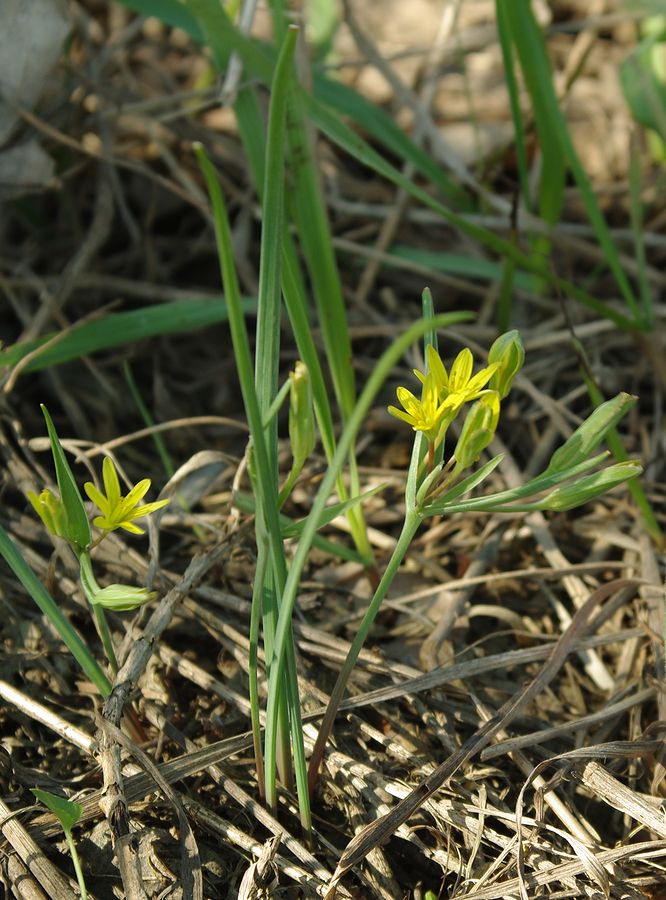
[(426, 414), (119, 511), (458, 386)]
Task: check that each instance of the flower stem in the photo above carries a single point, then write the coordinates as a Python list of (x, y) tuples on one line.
[(91, 589), (105, 636), (409, 528)]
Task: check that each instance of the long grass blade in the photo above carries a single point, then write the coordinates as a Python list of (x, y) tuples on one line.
[(531, 49), (120, 330)]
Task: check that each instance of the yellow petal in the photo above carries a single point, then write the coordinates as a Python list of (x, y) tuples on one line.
[(111, 483), (437, 368), (461, 370), (97, 497)]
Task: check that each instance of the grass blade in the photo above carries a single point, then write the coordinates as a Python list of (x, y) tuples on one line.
[(531, 49), (120, 330)]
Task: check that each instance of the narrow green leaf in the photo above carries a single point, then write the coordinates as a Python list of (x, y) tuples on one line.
[(121, 329), (530, 46), (171, 12)]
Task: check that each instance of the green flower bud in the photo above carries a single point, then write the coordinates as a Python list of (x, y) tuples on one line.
[(478, 430), (590, 486), (509, 353), (301, 415), (118, 597), (76, 527), (122, 597), (587, 437), (51, 511)]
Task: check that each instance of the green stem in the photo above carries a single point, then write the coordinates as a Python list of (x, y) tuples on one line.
[(105, 636), (77, 865), (409, 528), (91, 588)]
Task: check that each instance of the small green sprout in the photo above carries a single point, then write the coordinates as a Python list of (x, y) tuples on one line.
[(118, 511), (68, 814), (301, 413)]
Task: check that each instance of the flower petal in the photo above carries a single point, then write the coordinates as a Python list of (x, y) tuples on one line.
[(128, 526), (97, 497), (146, 509), (437, 368), (461, 370), (134, 497), (111, 483), (399, 414), (481, 379)]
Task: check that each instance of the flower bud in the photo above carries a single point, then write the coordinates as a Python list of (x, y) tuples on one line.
[(118, 597), (508, 351), (301, 414), (590, 486), (51, 511), (478, 430), (122, 597), (587, 437)]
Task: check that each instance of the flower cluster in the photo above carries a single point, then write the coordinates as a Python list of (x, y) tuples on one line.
[(443, 395)]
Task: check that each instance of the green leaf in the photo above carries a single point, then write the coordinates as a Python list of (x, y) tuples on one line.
[(78, 526), (555, 138), (587, 437), (119, 330), (66, 811)]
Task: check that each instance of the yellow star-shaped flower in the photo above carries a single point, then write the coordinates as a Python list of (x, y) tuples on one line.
[(118, 511), (426, 414), (458, 386)]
